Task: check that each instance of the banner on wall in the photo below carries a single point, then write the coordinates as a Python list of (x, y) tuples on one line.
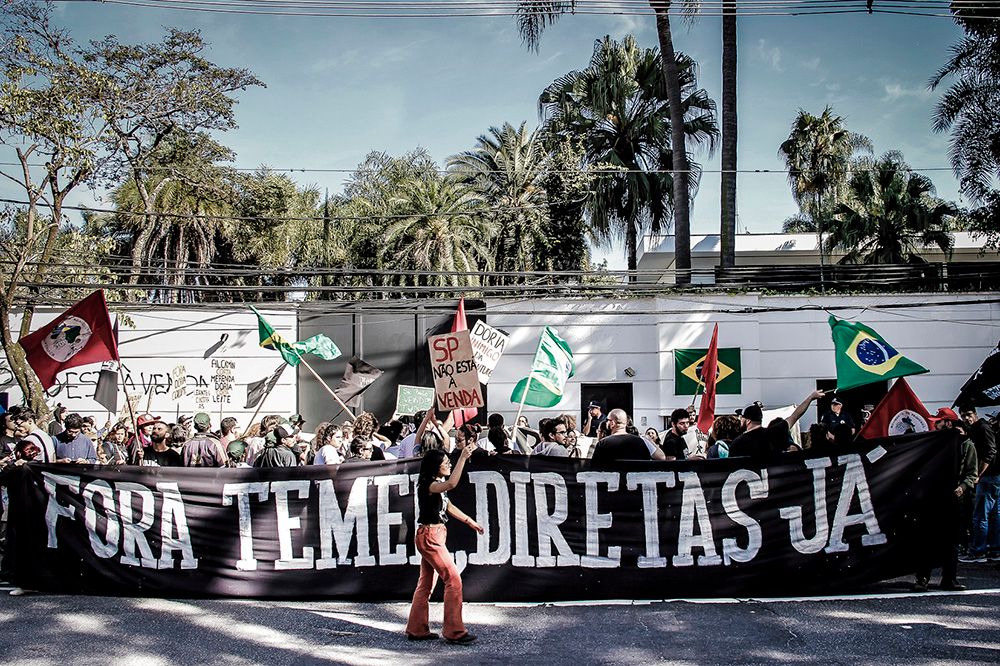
[(555, 528)]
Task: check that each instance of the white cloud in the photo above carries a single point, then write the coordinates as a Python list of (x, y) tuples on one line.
[(811, 64), (897, 91), (769, 54), (629, 25)]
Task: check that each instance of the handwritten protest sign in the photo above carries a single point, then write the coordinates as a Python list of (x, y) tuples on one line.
[(413, 399), (125, 414), (488, 344), (178, 383), (456, 380)]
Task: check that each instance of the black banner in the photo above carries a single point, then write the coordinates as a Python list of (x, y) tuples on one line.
[(555, 528)]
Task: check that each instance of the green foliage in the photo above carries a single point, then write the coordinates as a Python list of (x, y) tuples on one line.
[(506, 169), (567, 184), (890, 213), (970, 108), (617, 108), (818, 154)]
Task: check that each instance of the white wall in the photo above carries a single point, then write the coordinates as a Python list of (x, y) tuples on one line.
[(164, 339), (785, 348)]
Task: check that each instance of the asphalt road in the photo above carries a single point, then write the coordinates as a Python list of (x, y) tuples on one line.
[(886, 625)]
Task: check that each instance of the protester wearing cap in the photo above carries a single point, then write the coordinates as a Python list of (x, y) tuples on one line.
[(278, 452), (141, 439), (837, 416), (595, 417), (757, 442), (203, 450), (966, 471), (237, 452)]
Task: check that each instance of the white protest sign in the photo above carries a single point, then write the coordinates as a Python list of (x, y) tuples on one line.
[(488, 344), (456, 380), (130, 407)]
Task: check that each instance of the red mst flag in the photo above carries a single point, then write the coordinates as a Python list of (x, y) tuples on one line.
[(709, 371), (900, 412), (462, 416), (81, 335)]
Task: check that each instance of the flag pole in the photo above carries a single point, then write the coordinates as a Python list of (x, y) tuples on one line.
[(131, 413), (520, 408), (326, 386)]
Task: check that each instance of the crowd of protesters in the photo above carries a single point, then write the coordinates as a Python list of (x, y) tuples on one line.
[(277, 441)]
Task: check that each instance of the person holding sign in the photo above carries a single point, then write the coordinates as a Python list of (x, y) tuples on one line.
[(436, 479)]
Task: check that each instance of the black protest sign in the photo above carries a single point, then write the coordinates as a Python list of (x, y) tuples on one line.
[(555, 528)]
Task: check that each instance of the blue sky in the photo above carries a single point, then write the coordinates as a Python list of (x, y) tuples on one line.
[(338, 88)]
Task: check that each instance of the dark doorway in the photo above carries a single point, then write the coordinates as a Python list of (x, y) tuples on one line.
[(854, 399), (614, 395)]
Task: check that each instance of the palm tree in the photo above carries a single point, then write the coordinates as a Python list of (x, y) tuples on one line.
[(889, 214), (181, 228), (507, 167), (969, 108), (818, 154), (534, 16), (431, 229), (618, 108)]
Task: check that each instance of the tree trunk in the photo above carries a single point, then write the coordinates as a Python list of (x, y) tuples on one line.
[(34, 394), (727, 227), (681, 177), (631, 241)]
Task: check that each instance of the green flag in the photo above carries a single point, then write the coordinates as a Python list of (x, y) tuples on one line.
[(864, 357), (319, 344), (688, 365), (551, 369)]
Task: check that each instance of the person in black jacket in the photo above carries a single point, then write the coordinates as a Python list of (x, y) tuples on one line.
[(985, 514)]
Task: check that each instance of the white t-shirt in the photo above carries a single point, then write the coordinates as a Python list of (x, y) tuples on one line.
[(327, 455)]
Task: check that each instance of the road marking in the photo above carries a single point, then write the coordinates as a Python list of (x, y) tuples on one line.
[(741, 600)]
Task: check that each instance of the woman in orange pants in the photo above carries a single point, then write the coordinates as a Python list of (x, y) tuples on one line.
[(436, 479)]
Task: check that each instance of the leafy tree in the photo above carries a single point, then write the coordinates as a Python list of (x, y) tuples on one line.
[(533, 16), (567, 183), (818, 154), (155, 98), (889, 214), (507, 168), (618, 108), (46, 116)]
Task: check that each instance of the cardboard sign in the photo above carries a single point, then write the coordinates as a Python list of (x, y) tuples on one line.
[(413, 399), (456, 380), (488, 344), (125, 414), (178, 383)]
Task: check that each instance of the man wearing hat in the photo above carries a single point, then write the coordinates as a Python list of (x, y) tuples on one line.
[(141, 439), (837, 416), (203, 450), (966, 473), (278, 452), (595, 418), (759, 442)]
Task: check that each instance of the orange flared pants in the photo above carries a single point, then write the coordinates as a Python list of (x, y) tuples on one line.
[(436, 561)]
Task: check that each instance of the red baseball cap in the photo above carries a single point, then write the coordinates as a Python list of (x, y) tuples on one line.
[(146, 419), (946, 414)]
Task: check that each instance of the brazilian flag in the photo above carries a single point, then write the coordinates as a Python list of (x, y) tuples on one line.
[(319, 344), (864, 357), (688, 366)]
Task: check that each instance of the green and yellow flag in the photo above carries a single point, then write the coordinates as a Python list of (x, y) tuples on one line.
[(552, 368), (688, 366), (318, 345), (864, 357)]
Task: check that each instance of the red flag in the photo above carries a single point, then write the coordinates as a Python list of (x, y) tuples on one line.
[(900, 412), (462, 416), (81, 335), (709, 371)]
